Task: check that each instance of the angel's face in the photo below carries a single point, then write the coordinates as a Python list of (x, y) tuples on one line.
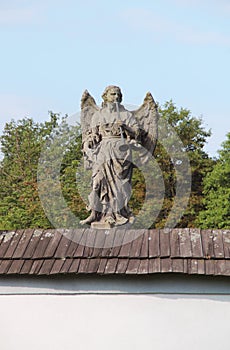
[(113, 95)]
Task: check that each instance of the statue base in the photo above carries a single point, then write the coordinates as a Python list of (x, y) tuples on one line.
[(101, 225)]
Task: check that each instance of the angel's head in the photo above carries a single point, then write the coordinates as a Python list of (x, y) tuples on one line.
[(112, 94)]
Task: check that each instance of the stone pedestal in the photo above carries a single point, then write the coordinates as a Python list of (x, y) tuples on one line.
[(101, 225)]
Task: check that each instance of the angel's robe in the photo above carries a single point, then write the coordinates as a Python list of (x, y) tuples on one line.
[(112, 163)]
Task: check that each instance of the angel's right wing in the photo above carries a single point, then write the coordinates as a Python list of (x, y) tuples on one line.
[(88, 109)]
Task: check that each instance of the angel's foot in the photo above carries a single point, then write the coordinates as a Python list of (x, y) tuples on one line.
[(109, 220), (120, 220), (89, 219), (131, 219)]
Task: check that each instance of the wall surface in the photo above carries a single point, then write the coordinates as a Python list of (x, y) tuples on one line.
[(164, 311), (129, 322)]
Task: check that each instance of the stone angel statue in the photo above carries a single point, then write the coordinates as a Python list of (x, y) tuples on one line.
[(109, 135)]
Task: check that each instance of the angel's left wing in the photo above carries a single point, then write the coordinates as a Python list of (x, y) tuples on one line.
[(147, 116)]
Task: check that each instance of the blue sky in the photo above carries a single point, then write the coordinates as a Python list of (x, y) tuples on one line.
[(51, 51)]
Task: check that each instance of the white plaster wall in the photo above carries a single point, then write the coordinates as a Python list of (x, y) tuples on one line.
[(130, 322)]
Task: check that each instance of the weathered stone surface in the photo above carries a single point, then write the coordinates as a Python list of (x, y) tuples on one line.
[(109, 135)]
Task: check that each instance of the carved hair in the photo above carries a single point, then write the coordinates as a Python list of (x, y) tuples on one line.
[(104, 95)]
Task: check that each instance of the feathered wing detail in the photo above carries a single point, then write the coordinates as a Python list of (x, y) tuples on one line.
[(147, 116), (88, 109)]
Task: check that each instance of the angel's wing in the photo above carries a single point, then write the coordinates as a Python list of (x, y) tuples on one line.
[(147, 117), (88, 108)]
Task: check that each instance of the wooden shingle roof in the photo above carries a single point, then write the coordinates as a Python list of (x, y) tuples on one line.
[(88, 251)]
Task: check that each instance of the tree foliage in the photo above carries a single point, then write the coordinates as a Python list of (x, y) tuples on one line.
[(216, 213), (24, 141), (190, 131), (193, 136), (22, 144)]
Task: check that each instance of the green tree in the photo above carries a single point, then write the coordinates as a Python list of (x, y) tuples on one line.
[(22, 143), (216, 213), (193, 136)]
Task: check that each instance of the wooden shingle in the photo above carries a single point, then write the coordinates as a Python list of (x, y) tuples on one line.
[(185, 242), (15, 267), (137, 245), (36, 267), (65, 267), (63, 246), (55, 237), (226, 243), (218, 244), (13, 244), (154, 243), (122, 265), (154, 265), (133, 266), (5, 242), (32, 244), (144, 253), (207, 243), (111, 266), (175, 243), (4, 266), (209, 267), (101, 268), (74, 266), (93, 265), (143, 267), (46, 267), (117, 243), (42, 244), (116, 251), (23, 244), (89, 239), (196, 243), (26, 267), (177, 265), (166, 265), (165, 250), (56, 268)]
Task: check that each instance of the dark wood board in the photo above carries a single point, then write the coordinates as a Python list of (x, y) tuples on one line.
[(13, 243), (196, 243), (175, 243), (154, 243), (207, 243), (122, 265), (154, 265), (46, 267), (133, 266), (165, 243), (33, 242), (23, 243)]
